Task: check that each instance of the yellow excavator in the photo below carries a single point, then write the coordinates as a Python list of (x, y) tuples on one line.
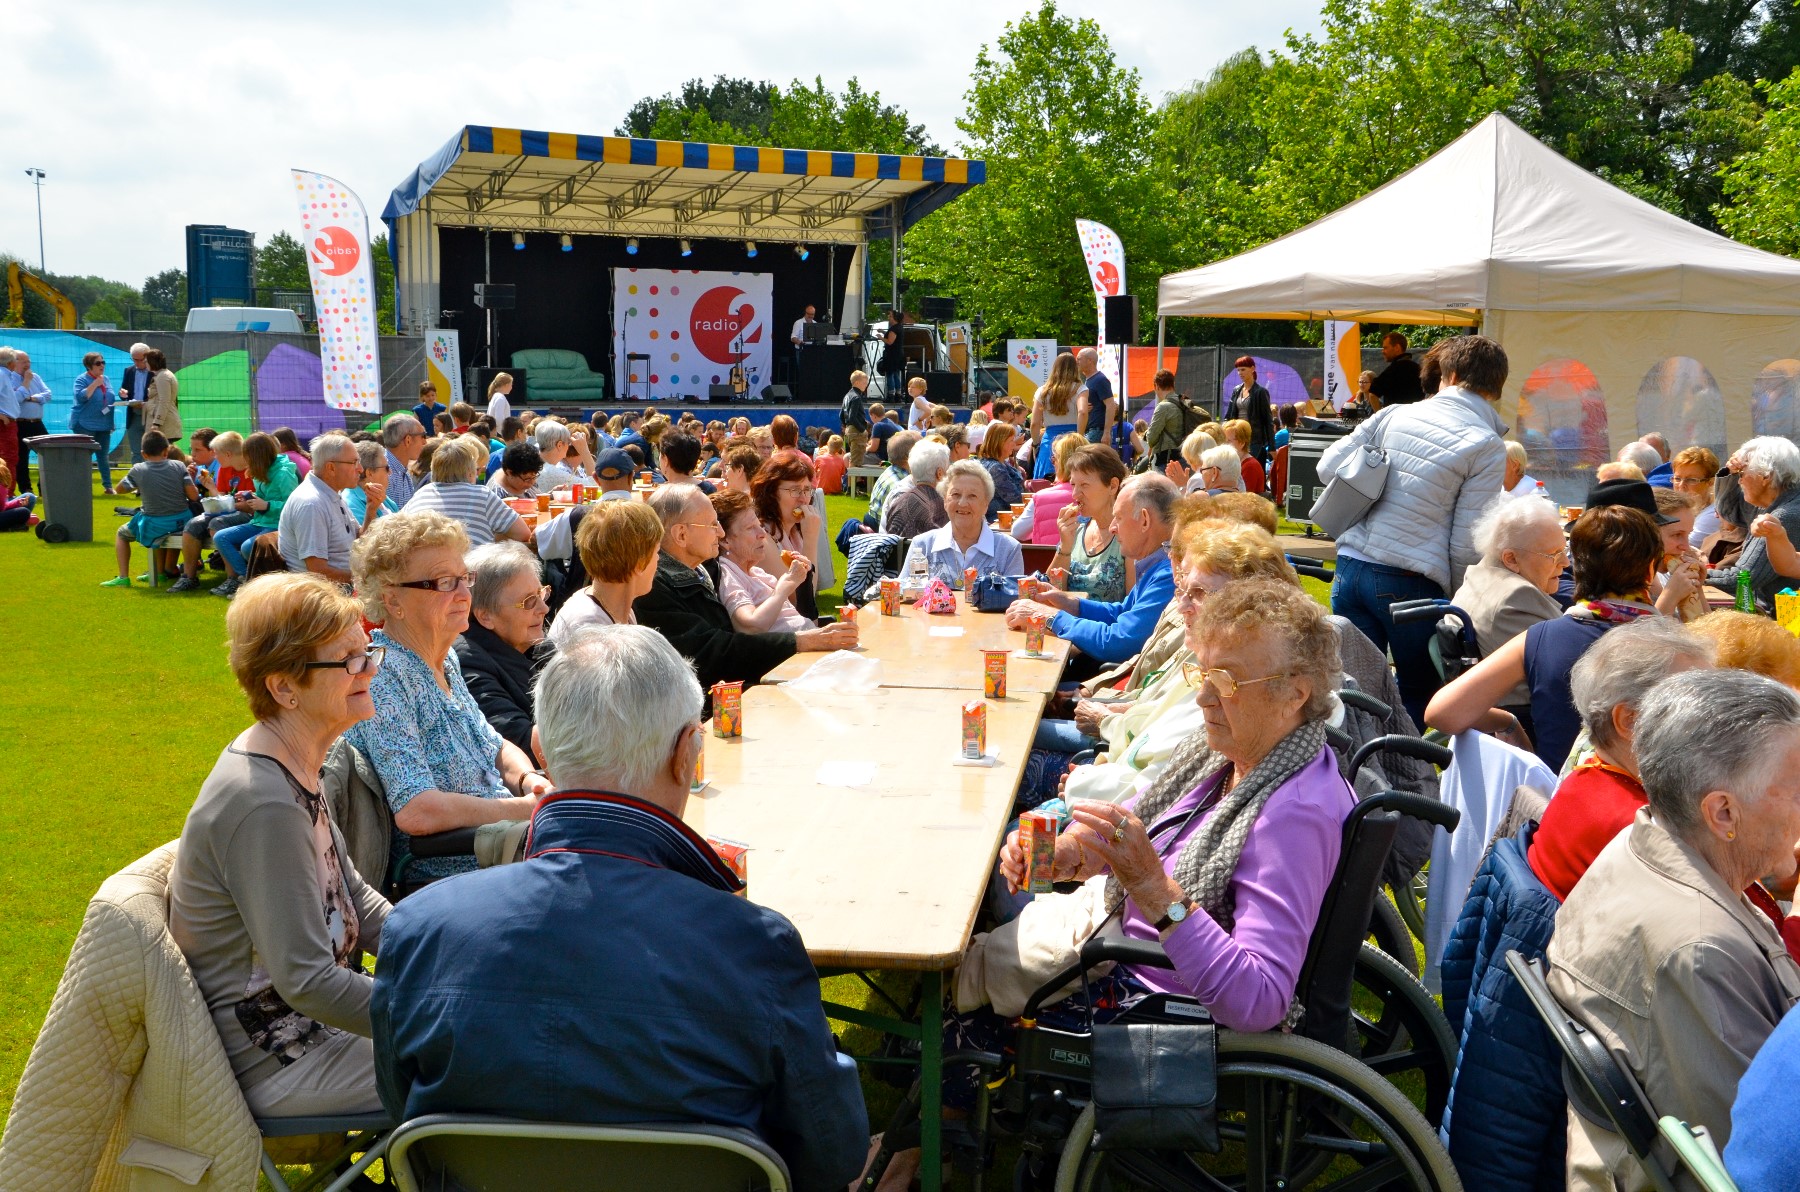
[(18, 281)]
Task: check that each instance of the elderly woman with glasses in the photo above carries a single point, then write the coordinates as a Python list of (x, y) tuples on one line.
[(1693, 473), (1768, 473), (263, 900), (503, 647), (372, 484), (442, 764), (1225, 857), (1657, 951)]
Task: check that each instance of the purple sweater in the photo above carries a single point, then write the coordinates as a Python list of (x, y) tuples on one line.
[(1247, 978)]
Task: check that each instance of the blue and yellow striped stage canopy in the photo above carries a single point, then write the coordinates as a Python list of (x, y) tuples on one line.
[(523, 179)]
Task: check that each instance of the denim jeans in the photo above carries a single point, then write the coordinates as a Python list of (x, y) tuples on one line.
[(230, 543), (103, 455), (1361, 593), (1063, 736)]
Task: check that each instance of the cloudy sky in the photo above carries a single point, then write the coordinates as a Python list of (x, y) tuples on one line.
[(149, 117)]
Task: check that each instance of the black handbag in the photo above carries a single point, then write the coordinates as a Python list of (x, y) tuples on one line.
[(1156, 1087)]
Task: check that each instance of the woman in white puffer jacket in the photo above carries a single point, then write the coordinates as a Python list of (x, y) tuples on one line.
[(1446, 464)]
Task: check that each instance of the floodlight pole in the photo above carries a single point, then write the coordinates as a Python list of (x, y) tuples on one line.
[(37, 179)]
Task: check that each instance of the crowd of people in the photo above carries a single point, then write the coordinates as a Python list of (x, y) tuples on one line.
[(493, 670)]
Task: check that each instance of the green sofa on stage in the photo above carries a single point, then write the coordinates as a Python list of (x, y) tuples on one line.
[(557, 376)]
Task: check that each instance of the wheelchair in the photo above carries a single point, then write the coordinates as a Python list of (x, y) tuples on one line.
[(1454, 649), (1312, 1109)]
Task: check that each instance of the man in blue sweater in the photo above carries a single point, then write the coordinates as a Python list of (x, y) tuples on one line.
[(1113, 631), (614, 975)]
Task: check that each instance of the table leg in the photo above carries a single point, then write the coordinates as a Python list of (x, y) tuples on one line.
[(931, 1081)]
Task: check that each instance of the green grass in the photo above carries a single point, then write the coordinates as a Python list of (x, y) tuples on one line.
[(118, 702)]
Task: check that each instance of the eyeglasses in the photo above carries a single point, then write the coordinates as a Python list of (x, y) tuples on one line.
[(802, 491), (715, 527), (1692, 481), (1223, 681), (1193, 593), (356, 664), (542, 595), (1558, 556), (442, 584)]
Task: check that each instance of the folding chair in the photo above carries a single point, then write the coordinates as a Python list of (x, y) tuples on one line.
[(1599, 1089), (365, 1133), (442, 1151), (1694, 1147)]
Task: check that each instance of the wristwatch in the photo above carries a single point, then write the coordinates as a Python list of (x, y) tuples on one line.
[(1177, 913)]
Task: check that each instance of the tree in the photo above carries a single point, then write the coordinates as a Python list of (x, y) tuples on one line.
[(1762, 185), (813, 117), (103, 311), (281, 265), (384, 284), (1066, 133), (167, 291), (703, 111)]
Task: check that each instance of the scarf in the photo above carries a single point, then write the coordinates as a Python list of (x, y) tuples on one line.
[(1210, 857)]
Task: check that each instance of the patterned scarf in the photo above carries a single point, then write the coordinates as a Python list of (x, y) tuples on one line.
[(1210, 857)]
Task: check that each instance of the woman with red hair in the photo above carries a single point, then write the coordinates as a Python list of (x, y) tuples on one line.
[(783, 495)]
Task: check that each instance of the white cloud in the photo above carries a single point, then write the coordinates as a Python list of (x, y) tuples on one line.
[(149, 118)]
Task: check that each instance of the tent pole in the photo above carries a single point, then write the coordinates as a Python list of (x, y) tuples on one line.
[(1162, 328)]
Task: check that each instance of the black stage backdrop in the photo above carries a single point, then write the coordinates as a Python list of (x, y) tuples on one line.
[(565, 298)]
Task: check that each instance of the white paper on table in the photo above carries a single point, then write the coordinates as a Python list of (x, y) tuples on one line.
[(1028, 656), (840, 672), (846, 773), (986, 759), (945, 631)]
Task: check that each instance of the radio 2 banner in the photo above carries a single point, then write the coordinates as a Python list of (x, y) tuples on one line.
[(334, 227), (693, 326), (1343, 360), (1105, 256), (443, 365)]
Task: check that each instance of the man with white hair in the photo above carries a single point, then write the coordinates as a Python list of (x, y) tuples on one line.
[(134, 391), (612, 976), (916, 508), (317, 527), (554, 442), (683, 602), (9, 411), (403, 438), (34, 393), (1112, 631), (1642, 455)]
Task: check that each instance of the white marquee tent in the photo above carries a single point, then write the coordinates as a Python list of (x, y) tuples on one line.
[(1618, 317)]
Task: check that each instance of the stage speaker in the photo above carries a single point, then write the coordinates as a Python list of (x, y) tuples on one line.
[(777, 393), (1121, 319), (720, 393), (476, 383), (492, 296), (943, 388), (937, 310)]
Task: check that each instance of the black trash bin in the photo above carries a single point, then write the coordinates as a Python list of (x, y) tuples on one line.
[(66, 484)]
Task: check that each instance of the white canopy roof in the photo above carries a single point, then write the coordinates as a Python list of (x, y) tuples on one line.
[(1496, 220)]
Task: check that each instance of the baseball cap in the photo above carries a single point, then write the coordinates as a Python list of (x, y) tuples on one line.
[(613, 464), (1633, 494)]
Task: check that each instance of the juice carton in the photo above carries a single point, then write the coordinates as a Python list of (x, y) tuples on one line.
[(890, 597), (1034, 634), (698, 783), (1037, 841), (1028, 588), (994, 674), (847, 613), (728, 710), (974, 730), (970, 575), (736, 856), (1059, 578)]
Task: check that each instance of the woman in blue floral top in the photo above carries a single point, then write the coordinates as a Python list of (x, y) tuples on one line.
[(1098, 568), (443, 765)]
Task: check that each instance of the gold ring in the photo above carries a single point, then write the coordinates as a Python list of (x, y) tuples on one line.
[(1119, 832)]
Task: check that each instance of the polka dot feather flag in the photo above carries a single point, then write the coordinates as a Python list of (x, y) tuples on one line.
[(334, 227), (1105, 257)]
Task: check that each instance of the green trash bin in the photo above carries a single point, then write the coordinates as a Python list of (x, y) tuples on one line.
[(66, 484)]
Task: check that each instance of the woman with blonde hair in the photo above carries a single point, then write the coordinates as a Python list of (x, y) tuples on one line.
[(1053, 413), (442, 765), (263, 900), (1250, 470), (499, 406), (618, 543), (1186, 470)]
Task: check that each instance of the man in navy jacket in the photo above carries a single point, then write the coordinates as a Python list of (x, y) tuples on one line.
[(614, 976), (134, 390)]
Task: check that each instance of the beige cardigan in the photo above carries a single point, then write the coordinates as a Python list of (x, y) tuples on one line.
[(1681, 977), (161, 410), (128, 1088)]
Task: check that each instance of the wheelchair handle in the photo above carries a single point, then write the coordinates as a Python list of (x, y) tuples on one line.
[(457, 842), (1416, 806), (1096, 950), (1353, 698), (1338, 739), (1407, 613), (1413, 747)]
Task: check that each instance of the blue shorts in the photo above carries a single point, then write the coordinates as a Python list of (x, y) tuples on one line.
[(149, 529)]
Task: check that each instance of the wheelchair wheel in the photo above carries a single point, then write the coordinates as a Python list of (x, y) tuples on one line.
[(1401, 1033), (1391, 934), (1293, 1114)]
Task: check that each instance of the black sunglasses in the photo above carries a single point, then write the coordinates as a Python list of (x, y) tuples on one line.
[(356, 664)]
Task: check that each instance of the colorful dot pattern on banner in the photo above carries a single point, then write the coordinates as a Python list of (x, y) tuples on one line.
[(691, 337), (334, 229)]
